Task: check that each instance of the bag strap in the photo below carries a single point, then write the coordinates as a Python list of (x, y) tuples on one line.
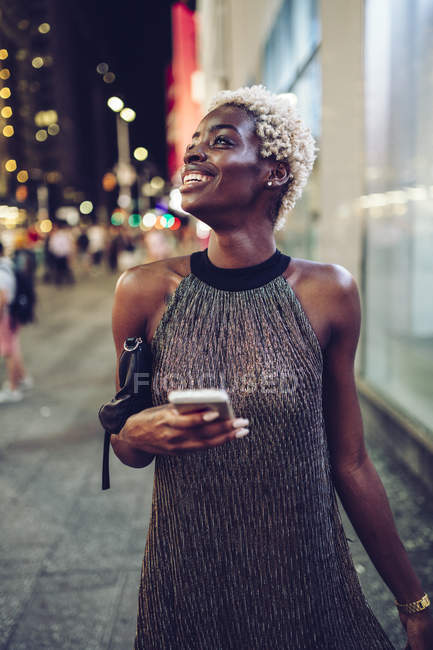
[(106, 462)]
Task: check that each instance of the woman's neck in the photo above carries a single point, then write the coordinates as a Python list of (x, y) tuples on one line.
[(240, 249)]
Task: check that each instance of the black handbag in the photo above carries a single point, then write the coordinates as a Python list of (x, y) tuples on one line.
[(134, 395)]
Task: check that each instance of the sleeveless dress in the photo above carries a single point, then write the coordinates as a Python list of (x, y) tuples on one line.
[(245, 547)]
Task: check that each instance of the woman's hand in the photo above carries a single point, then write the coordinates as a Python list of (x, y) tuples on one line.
[(419, 629), (162, 430)]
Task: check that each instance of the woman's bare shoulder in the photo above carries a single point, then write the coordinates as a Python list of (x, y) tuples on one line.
[(328, 294), (322, 276), (154, 278), (142, 291)]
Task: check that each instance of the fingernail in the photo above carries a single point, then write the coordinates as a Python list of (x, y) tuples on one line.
[(240, 422), (211, 415), (241, 433)]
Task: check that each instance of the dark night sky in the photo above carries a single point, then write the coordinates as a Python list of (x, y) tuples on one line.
[(134, 38)]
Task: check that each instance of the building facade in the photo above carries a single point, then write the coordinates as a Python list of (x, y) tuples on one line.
[(360, 73)]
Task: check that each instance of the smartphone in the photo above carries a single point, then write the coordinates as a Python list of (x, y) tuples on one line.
[(215, 399)]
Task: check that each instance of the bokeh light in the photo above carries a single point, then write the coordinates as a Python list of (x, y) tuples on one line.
[(118, 217), (157, 183), (167, 220), (134, 220), (41, 135), (46, 225), (5, 73), (149, 220), (140, 153), (109, 77), (37, 62), (176, 224), (11, 165), (124, 200), (53, 129), (102, 68), (115, 103), (8, 131), (44, 28), (21, 193), (86, 207), (23, 176), (6, 111), (109, 181), (3, 54), (44, 118), (148, 190), (5, 92), (127, 114)]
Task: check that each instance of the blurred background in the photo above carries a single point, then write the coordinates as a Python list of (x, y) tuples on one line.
[(97, 102)]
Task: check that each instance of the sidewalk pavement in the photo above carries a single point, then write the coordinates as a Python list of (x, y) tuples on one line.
[(70, 554)]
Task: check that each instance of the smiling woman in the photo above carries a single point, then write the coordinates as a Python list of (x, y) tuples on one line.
[(245, 548)]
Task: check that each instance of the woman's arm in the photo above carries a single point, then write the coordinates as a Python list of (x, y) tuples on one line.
[(138, 294), (356, 480)]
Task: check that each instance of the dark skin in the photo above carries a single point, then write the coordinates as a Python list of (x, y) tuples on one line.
[(235, 199)]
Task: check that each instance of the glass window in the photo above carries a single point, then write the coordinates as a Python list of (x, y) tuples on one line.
[(398, 204)]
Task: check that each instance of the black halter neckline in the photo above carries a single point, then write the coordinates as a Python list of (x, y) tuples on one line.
[(238, 279)]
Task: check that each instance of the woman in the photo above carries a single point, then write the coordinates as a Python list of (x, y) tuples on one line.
[(245, 547)]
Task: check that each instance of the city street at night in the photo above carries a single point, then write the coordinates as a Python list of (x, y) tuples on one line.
[(71, 554), (271, 163)]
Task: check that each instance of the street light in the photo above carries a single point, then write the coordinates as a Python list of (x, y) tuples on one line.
[(127, 114), (115, 103), (124, 170)]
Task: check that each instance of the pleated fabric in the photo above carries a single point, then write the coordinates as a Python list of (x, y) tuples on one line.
[(245, 546)]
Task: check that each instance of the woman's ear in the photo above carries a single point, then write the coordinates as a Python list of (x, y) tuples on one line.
[(279, 175)]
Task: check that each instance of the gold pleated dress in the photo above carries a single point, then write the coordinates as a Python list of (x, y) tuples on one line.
[(245, 547)]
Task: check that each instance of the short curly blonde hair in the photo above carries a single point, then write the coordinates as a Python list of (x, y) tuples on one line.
[(282, 133)]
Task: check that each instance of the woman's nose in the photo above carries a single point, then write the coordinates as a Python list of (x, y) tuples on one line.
[(194, 153)]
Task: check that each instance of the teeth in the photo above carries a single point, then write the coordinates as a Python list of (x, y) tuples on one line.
[(196, 177)]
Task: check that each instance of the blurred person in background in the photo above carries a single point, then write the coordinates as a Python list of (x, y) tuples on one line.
[(82, 249), (97, 243), (49, 260), (117, 243), (10, 349), (61, 247), (245, 546)]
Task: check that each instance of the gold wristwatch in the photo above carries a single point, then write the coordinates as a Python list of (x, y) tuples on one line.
[(416, 606)]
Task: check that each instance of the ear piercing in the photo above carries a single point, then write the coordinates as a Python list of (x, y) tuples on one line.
[(290, 178)]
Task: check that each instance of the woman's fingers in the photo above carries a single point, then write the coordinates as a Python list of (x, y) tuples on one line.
[(202, 423)]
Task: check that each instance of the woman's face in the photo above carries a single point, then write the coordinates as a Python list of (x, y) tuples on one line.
[(223, 171)]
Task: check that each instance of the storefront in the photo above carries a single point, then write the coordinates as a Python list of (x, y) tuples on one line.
[(398, 204)]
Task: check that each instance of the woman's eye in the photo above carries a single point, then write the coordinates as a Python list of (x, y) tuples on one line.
[(220, 139)]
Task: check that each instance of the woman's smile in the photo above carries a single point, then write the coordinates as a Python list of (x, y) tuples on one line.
[(193, 181)]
